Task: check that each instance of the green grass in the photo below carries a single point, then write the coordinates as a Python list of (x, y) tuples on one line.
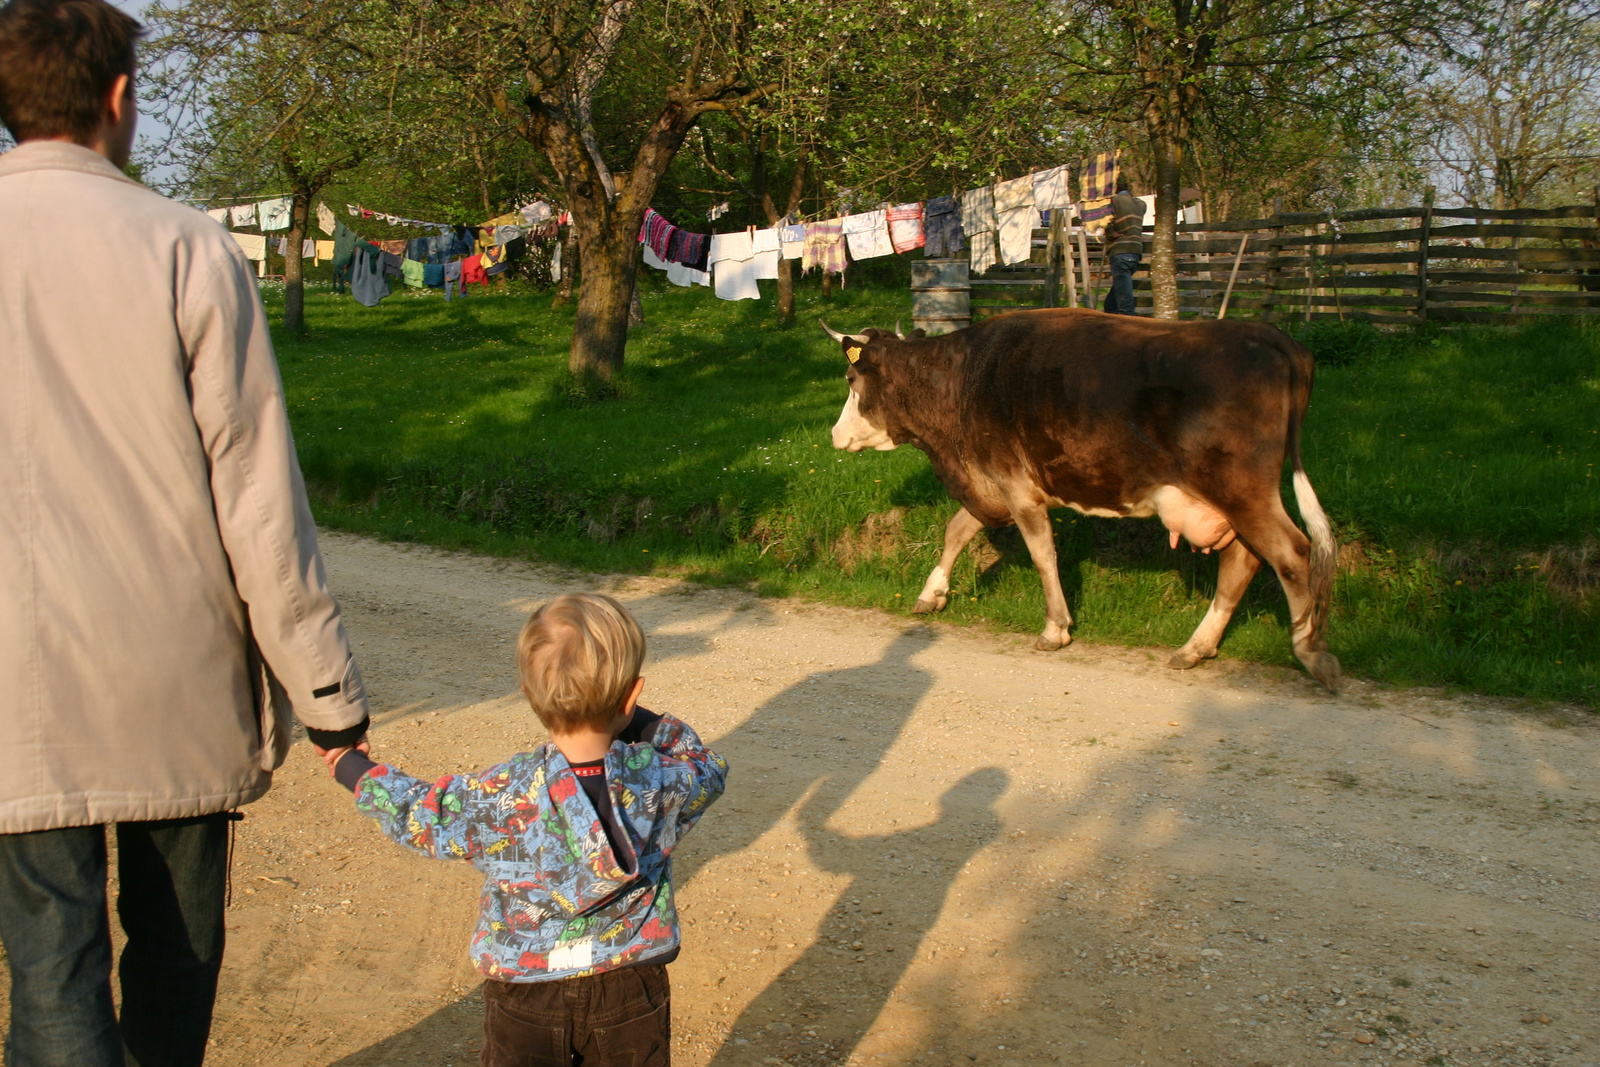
[(456, 425)]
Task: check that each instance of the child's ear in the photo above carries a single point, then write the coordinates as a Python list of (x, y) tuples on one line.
[(633, 696)]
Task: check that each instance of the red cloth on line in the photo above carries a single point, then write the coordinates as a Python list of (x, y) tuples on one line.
[(472, 270), (905, 226)]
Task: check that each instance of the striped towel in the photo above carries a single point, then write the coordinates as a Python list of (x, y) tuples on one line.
[(1098, 179)]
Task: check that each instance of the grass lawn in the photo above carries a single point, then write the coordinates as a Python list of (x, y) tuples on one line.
[(1457, 465)]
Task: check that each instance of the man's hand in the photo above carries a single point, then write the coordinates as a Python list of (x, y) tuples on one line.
[(331, 756)]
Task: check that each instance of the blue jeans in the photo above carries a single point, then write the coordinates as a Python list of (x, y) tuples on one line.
[(172, 879), (1120, 300)]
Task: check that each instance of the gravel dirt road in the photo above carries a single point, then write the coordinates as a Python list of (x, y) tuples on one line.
[(941, 847)]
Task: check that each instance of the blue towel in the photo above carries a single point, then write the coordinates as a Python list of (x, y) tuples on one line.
[(433, 274)]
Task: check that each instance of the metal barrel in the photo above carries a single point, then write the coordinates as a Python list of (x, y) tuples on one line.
[(941, 295)]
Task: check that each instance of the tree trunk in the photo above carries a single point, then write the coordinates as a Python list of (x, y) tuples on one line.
[(786, 267), (294, 286), (635, 305), (600, 331), (1164, 253)]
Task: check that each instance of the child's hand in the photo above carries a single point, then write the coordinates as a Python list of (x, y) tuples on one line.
[(331, 756)]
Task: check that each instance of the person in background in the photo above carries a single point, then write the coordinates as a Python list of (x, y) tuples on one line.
[(163, 608), (576, 920), (1124, 248)]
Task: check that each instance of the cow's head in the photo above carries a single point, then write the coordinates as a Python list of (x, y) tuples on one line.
[(861, 423)]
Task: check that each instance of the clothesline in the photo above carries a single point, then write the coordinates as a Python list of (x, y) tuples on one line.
[(997, 221)]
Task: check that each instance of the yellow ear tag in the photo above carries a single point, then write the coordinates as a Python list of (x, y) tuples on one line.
[(853, 353)]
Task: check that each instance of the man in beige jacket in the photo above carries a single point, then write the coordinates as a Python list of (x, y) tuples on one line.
[(162, 600)]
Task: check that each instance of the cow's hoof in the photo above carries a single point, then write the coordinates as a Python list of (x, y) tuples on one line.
[(1324, 667), (1046, 644), (1183, 659), (923, 607)]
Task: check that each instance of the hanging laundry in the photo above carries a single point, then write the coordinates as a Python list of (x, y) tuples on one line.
[(494, 261), (393, 266), (1014, 218), (555, 263), (433, 275), (983, 251), (516, 248), (652, 260), (941, 227), (535, 213), (868, 234), (678, 274), (977, 211), (656, 232), (1099, 178), (689, 249), (452, 280), (417, 249), (504, 235), (734, 246), (324, 251), (510, 218), (355, 212), (253, 245), (717, 211), (824, 247), (1094, 214), (275, 213), (733, 266), (792, 239), (1052, 189), (368, 283), (411, 270), (243, 215), (219, 214), (764, 241), (325, 218), (905, 226), (394, 248), (472, 271)]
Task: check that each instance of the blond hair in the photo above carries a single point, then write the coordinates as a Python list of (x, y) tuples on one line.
[(578, 656)]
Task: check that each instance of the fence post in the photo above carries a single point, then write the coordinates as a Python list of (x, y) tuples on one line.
[(1066, 260), (1089, 289), (1274, 272), (1422, 255), (1052, 263)]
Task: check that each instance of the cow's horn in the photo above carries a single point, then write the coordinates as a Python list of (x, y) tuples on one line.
[(859, 338), (898, 332)]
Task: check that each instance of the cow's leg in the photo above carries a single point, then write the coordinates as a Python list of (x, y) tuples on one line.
[(960, 530), (1237, 567), (1034, 523), (1287, 551)]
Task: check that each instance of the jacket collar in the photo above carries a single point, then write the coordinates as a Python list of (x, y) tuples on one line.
[(59, 155)]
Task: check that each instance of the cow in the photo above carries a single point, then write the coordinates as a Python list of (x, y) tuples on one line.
[(1110, 415)]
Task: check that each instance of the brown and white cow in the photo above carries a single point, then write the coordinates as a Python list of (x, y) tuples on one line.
[(1116, 416)]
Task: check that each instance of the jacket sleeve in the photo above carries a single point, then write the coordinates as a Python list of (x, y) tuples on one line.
[(702, 774), (262, 512), (433, 818)]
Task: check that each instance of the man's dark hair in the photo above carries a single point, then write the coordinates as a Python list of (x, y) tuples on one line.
[(58, 60), (1124, 186)]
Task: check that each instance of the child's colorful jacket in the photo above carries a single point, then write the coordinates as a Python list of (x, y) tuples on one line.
[(555, 903)]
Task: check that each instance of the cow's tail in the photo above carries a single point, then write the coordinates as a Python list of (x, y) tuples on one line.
[(1324, 553)]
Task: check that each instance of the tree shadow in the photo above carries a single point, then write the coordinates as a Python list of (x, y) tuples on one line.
[(869, 939)]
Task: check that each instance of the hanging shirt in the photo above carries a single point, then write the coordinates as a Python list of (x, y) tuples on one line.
[(983, 251), (368, 283), (1052, 188), (412, 271), (243, 214), (736, 278), (219, 214), (824, 247), (905, 226), (868, 235), (977, 211), (1014, 194), (275, 213), (325, 218), (1014, 236), (792, 241), (324, 250), (734, 246), (535, 213), (764, 241), (941, 227)]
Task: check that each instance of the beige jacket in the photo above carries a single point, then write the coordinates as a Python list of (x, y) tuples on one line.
[(154, 529)]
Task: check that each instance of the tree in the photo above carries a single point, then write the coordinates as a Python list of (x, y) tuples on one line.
[(1520, 104), (1162, 67), (262, 93)]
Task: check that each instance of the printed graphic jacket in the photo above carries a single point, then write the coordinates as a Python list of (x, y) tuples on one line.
[(556, 903)]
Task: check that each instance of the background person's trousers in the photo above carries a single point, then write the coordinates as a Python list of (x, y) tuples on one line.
[(1120, 300), (172, 878), (620, 1018)]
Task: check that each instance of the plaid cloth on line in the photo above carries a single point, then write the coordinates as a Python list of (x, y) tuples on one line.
[(1098, 180)]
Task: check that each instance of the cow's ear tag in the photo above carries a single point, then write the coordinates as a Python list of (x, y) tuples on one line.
[(853, 353)]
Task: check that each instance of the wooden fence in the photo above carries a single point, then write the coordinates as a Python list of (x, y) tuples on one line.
[(1387, 265)]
